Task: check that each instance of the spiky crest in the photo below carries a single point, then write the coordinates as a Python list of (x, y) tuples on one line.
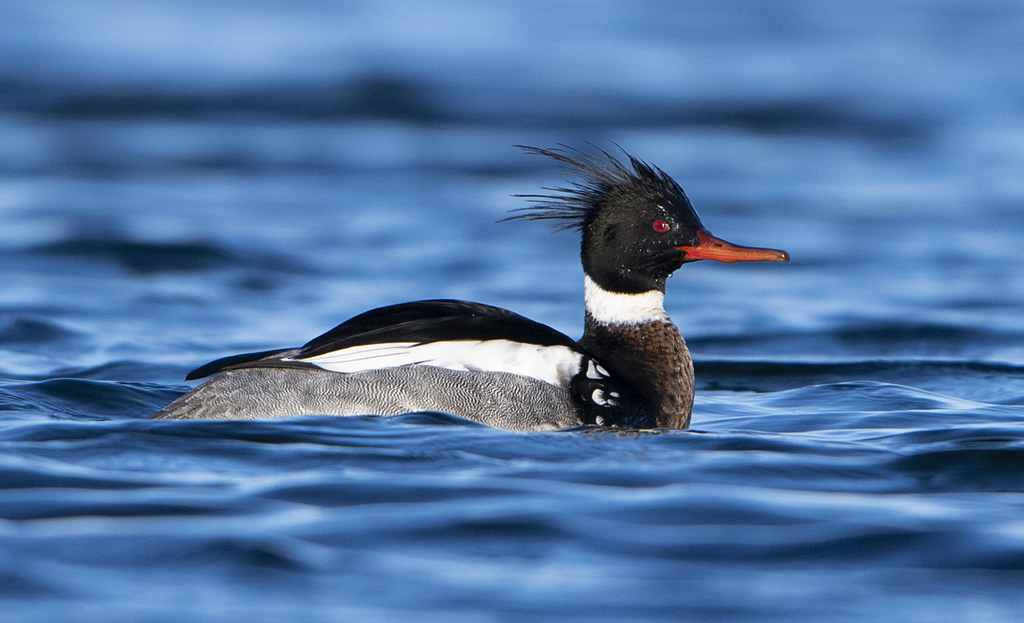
[(603, 178)]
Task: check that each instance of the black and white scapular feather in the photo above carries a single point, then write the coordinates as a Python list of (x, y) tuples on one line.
[(630, 369)]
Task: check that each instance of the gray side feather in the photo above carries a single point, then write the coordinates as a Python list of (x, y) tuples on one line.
[(496, 399)]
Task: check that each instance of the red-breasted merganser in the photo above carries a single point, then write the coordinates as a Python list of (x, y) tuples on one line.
[(631, 368)]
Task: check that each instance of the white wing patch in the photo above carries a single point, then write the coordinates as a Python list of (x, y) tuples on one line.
[(551, 364)]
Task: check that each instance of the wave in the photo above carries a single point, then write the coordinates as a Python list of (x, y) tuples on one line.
[(393, 96), (991, 382), (149, 256), (723, 497)]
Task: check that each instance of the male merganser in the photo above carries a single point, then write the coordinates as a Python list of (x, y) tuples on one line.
[(631, 368)]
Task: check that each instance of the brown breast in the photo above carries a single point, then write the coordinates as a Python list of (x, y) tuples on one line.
[(652, 357)]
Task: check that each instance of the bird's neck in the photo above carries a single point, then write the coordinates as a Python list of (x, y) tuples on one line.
[(632, 336), (616, 308)]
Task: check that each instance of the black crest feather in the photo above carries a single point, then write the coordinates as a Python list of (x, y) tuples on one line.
[(573, 206)]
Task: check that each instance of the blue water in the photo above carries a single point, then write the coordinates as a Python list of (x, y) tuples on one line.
[(185, 180)]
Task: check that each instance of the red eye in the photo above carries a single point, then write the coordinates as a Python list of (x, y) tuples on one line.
[(661, 226)]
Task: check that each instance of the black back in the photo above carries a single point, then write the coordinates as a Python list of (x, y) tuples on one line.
[(421, 322), (231, 362), (437, 320)]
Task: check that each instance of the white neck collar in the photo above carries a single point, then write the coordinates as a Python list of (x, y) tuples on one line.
[(616, 308)]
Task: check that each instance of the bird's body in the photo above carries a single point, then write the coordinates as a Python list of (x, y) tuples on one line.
[(630, 369)]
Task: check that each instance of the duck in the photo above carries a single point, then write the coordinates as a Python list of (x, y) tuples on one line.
[(631, 368)]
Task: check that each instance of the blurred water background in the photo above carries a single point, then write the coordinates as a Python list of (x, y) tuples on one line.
[(182, 180)]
